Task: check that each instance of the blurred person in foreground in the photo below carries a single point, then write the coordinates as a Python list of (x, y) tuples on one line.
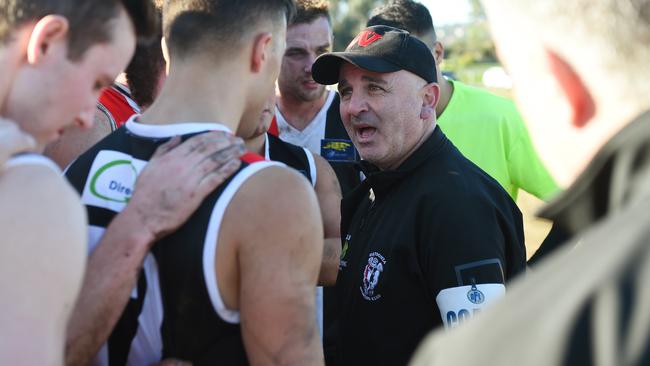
[(584, 64)]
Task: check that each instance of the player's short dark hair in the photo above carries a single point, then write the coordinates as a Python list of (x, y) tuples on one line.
[(148, 62), (404, 14), (217, 25), (310, 10), (89, 20)]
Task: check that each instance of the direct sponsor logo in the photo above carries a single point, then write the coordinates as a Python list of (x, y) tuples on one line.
[(371, 275), (111, 180), (108, 182)]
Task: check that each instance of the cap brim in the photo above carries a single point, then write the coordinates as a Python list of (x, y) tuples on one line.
[(326, 67)]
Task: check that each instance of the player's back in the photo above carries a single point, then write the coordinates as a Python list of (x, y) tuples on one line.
[(179, 311)]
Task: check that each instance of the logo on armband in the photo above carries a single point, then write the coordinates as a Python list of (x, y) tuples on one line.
[(475, 296), (458, 305)]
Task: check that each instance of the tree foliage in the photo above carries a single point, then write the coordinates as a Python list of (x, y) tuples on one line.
[(475, 45)]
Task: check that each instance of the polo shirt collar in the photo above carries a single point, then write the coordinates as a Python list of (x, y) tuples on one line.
[(381, 181)]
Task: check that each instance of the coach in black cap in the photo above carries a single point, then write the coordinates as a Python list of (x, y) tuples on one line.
[(429, 238)]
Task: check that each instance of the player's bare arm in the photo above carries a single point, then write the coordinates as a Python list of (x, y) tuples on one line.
[(42, 259), (167, 192), (13, 140), (76, 140), (328, 192), (273, 280)]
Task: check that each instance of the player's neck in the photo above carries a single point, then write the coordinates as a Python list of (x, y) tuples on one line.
[(5, 80), (9, 63), (121, 79), (299, 113), (256, 144), (191, 95)]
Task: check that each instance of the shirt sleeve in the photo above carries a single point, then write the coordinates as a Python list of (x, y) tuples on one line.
[(525, 167), (471, 245)]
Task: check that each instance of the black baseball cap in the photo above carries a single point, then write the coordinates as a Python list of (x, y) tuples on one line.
[(379, 48)]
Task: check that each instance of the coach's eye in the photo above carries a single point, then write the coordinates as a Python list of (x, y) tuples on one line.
[(375, 88)]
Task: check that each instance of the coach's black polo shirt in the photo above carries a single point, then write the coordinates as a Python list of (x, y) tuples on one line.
[(437, 222)]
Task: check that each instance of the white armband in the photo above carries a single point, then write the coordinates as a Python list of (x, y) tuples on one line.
[(459, 304)]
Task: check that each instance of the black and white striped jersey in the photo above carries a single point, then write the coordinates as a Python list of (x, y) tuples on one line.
[(175, 310)]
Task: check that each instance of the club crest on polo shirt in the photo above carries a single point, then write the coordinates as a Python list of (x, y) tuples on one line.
[(371, 276), (338, 150), (111, 180)]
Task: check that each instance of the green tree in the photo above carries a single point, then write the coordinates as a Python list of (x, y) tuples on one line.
[(471, 53), (477, 12)]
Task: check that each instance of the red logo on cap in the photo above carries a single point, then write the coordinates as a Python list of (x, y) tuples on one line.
[(366, 38)]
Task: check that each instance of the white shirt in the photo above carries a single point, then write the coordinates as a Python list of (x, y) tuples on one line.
[(312, 135)]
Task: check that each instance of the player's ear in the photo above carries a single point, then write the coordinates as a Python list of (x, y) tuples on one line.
[(49, 31), (581, 104), (439, 53), (165, 52), (430, 97), (262, 48)]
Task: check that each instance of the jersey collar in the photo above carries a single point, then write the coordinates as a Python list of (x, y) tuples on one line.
[(171, 130)]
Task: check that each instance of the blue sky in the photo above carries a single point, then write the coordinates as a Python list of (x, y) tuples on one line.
[(448, 11)]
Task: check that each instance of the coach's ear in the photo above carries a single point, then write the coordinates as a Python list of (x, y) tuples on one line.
[(49, 32), (430, 96), (262, 48)]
